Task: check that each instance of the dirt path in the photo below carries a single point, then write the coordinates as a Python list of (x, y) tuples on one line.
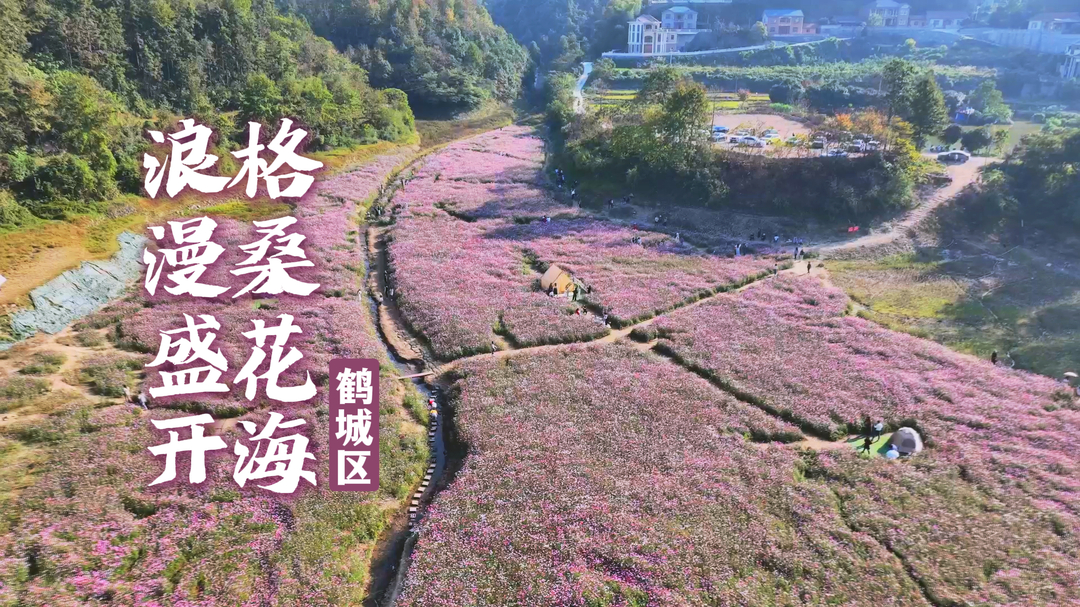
[(962, 176), (391, 322)]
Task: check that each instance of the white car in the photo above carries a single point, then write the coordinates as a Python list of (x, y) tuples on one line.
[(717, 136), (751, 141)]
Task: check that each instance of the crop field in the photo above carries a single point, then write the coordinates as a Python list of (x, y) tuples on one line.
[(215, 543), (720, 101), (601, 476)]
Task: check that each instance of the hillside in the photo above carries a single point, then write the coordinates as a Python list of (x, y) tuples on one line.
[(440, 52)]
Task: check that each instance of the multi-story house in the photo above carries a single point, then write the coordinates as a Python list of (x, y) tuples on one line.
[(676, 27), (892, 13), (783, 22)]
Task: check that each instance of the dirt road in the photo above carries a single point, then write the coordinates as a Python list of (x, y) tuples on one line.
[(962, 175)]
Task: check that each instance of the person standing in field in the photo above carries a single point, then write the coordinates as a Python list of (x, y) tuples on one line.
[(808, 266), (867, 443), (494, 348), (994, 357), (879, 428)]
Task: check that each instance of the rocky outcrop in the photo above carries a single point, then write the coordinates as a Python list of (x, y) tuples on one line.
[(77, 293)]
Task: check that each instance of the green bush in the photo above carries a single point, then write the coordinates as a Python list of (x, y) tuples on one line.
[(12, 214)]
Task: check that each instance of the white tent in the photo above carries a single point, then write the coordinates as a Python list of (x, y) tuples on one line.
[(907, 441)]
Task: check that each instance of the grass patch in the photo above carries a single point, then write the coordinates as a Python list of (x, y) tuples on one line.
[(43, 363), (1028, 314)]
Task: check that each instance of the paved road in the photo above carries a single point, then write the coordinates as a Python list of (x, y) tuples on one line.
[(579, 88), (962, 174)]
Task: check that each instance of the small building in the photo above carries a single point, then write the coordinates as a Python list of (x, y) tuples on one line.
[(917, 21), (1053, 22), (783, 21), (558, 278), (907, 441), (945, 20), (892, 13)]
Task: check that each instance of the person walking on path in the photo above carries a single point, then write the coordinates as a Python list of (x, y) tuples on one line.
[(808, 266), (494, 348)]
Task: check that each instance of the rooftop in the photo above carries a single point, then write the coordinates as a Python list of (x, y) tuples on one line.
[(885, 4), (783, 12), (680, 10)]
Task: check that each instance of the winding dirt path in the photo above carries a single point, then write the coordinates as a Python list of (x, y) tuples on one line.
[(962, 175)]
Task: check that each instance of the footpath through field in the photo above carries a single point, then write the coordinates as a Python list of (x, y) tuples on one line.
[(962, 175)]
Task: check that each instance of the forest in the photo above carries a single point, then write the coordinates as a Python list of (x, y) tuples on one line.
[(441, 52), (81, 80)]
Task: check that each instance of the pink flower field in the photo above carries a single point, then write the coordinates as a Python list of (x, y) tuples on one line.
[(634, 281), (597, 475), (458, 287), (508, 155), (91, 530)]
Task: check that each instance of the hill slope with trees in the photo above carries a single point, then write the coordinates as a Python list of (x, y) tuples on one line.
[(440, 52), (81, 80)]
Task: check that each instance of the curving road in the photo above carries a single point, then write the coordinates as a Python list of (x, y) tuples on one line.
[(579, 88), (963, 175)]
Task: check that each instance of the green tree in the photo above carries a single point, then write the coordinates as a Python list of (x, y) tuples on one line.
[(928, 115), (261, 100), (898, 79), (659, 84), (990, 102), (952, 134), (977, 139), (683, 118), (759, 33)]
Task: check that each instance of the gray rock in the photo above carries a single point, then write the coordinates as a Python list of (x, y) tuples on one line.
[(77, 293)]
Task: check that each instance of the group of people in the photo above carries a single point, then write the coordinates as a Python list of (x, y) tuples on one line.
[(871, 432)]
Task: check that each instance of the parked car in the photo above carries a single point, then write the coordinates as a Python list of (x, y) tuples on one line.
[(734, 138), (742, 133), (771, 137), (818, 144), (837, 153), (752, 141), (873, 145), (857, 146), (720, 129), (954, 157), (717, 136), (793, 140)]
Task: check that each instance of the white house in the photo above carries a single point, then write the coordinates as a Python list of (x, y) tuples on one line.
[(676, 27), (645, 35), (892, 13)]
